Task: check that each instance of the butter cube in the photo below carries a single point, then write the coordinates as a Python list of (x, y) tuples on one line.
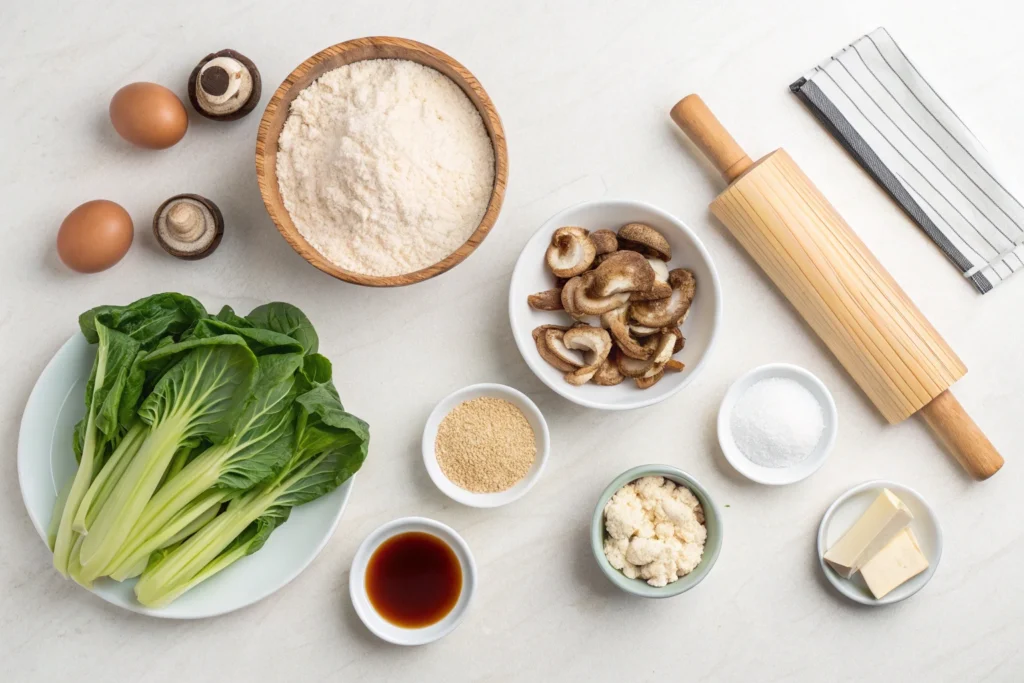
[(894, 565), (886, 517)]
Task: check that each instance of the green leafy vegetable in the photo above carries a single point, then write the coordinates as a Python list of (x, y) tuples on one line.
[(201, 434), (200, 396), (286, 319), (114, 355)]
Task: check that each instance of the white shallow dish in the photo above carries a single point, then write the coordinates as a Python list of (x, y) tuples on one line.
[(46, 461), (777, 476), (361, 601), (531, 275), (533, 416), (848, 508)]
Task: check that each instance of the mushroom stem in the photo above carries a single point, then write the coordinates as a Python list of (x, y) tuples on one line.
[(185, 221)]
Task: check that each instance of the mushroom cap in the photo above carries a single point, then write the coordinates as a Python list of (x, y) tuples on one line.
[(188, 226), (623, 271), (548, 300), (586, 304), (605, 241), (253, 98), (571, 252), (670, 311), (645, 235)]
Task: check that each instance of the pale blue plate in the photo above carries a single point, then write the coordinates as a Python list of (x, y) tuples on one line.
[(712, 520)]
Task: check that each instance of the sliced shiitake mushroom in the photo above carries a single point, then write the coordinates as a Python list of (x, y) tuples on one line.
[(548, 300), (680, 339), (640, 234), (658, 290), (565, 360), (675, 365), (643, 330), (571, 252), (604, 241), (670, 311), (608, 374), (648, 382), (663, 352), (586, 304), (633, 367), (569, 297), (615, 321), (595, 343), (623, 271), (660, 269)]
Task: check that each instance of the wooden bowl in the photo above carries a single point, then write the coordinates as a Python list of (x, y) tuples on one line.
[(355, 51)]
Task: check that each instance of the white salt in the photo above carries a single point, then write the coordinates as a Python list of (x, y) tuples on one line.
[(777, 422)]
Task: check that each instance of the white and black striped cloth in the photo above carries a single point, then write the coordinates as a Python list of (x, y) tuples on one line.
[(879, 106)]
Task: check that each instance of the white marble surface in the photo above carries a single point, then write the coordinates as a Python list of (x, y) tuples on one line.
[(584, 90)]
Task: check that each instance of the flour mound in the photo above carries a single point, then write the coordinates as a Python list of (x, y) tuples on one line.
[(385, 166)]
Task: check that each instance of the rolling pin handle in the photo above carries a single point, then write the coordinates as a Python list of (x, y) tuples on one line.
[(714, 141), (964, 439)]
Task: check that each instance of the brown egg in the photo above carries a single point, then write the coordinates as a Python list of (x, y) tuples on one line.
[(95, 236), (148, 115)]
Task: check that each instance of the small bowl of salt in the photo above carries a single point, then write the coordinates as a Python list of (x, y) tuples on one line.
[(777, 424)]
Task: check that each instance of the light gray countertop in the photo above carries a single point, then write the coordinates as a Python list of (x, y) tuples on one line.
[(584, 90)]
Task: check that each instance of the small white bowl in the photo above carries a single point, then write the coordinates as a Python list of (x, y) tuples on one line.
[(361, 601), (848, 508), (777, 476), (486, 500), (531, 275)]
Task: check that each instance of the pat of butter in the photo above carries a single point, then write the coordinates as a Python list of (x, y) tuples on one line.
[(894, 565), (886, 517)]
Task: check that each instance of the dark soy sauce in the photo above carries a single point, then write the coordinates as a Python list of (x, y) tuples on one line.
[(413, 579)]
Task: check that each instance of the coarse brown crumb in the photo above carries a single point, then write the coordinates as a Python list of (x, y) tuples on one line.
[(485, 445)]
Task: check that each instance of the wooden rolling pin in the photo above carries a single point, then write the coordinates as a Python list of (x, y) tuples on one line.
[(839, 287)]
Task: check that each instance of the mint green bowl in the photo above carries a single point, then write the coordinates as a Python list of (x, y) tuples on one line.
[(712, 520)]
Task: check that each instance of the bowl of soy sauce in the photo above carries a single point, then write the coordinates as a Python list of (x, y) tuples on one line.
[(412, 580)]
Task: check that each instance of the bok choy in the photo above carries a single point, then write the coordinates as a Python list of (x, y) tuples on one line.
[(201, 433)]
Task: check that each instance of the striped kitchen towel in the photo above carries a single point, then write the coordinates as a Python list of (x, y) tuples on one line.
[(883, 111)]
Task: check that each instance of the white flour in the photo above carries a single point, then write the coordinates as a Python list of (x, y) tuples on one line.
[(385, 166)]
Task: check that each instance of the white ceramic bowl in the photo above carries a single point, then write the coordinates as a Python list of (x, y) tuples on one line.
[(46, 461), (486, 500), (777, 476), (848, 508), (361, 601), (531, 275)]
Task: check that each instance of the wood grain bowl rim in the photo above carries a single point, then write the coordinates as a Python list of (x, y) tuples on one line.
[(376, 47)]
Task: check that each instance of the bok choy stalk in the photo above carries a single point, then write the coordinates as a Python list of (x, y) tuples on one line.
[(200, 395), (114, 356), (260, 446), (330, 447)]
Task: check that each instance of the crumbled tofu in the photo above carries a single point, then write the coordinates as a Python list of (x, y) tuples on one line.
[(655, 530)]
